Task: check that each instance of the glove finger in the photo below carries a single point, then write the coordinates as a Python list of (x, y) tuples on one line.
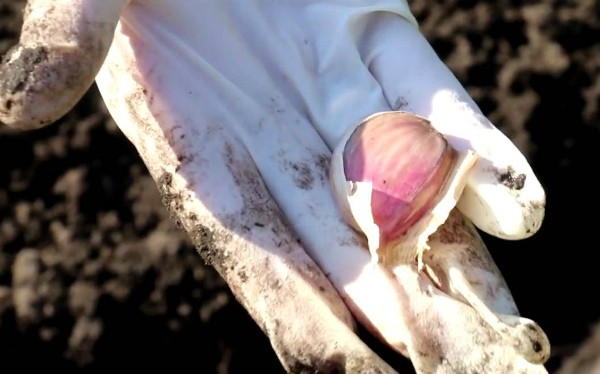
[(503, 196), (60, 50)]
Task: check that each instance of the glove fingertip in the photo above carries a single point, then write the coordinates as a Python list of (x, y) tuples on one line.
[(503, 207)]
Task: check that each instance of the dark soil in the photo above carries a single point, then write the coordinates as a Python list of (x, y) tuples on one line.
[(94, 276)]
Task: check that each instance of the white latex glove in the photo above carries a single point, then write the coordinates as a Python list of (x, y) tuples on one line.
[(235, 107)]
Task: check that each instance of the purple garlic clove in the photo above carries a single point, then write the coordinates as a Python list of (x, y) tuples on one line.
[(396, 179)]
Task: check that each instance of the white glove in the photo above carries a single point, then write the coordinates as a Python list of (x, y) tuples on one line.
[(236, 106)]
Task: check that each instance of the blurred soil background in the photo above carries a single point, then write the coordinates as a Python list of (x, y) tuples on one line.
[(95, 277)]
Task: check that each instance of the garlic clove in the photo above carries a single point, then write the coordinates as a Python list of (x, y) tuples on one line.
[(395, 178)]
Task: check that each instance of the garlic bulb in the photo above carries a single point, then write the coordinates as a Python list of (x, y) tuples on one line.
[(396, 179)]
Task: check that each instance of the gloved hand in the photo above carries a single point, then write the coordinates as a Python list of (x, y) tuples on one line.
[(236, 106)]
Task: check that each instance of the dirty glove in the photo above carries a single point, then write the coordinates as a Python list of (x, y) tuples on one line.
[(236, 107)]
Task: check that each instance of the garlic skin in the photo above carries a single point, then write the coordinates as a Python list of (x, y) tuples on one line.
[(403, 188), (398, 181), (461, 312)]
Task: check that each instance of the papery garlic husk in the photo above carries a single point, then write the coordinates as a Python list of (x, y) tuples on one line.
[(396, 179)]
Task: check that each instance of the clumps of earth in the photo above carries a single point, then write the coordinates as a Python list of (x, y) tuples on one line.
[(94, 276)]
